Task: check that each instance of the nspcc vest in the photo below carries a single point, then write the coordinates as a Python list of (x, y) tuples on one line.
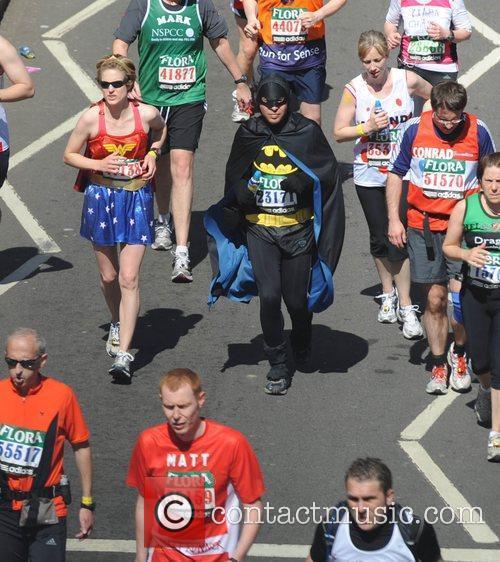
[(172, 67), (442, 172)]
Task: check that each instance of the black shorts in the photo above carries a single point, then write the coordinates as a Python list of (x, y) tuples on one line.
[(4, 167), (432, 76), (372, 201), (34, 544), (184, 124)]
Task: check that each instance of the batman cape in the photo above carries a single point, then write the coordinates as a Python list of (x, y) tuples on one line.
[(305, 145)]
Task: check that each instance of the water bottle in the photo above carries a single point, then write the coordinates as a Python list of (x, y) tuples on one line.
[(26, 52), (254, 181), (65, 489), (383, 133)]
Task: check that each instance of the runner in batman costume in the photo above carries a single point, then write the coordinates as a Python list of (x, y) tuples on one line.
[(279, 230)]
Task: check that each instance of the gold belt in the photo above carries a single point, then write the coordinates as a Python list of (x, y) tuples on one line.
[(266, 219), (128, 185)]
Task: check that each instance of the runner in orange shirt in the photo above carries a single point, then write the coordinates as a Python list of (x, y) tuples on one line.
[(187, 451), (38, 414), (292, 43)]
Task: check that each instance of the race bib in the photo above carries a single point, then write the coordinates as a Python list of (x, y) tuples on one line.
[(444, 179), (20, 450), (129, 169), (486, 274), (426, 49), (378, 154), (176, 77), (286, 27), (278, 198), (209, 492)]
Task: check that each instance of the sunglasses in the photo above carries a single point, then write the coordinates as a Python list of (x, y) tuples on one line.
[(116, 84), (25, 363), (448, 121)]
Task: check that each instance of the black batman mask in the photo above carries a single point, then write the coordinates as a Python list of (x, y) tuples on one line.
[(273, 91)]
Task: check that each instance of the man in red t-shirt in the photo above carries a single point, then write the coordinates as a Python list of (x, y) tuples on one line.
[(37, 415), (189, 448)]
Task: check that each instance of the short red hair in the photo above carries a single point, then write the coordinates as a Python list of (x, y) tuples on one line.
[(175, 378)]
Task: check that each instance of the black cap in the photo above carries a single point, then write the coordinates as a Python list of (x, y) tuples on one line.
[(273, 90)]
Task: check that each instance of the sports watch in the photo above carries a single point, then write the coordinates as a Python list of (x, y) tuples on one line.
[(242, 80)]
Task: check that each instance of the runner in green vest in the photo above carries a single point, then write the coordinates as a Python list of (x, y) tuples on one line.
[(172, 73), (476, 220)]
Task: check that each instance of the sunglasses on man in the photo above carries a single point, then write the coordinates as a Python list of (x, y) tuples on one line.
[(25, 363)]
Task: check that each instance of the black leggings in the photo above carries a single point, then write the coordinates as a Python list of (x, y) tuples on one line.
[(481, 313), (279, 272), (4, 167), (35, 544), (374, 207)]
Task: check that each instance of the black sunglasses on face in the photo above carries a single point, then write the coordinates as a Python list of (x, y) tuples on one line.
[(25, 363), (116, 84)]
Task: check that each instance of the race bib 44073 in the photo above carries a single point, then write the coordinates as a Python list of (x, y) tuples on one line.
[(20, 450), (286, 27)]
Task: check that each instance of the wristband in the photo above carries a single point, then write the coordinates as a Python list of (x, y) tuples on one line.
[(359, 129), (90, 507), (153, 152), (87, 500)]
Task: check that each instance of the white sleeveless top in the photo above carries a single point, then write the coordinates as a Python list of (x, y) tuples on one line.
[(372, 153), (4, 128), (343, 549)]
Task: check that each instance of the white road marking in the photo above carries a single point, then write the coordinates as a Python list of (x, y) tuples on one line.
[(485, 30), (426, 419), (479, 531), (480, 68), (27, 220), (295, 551), (74, 70), (72, 22), (44, 141), (22, 272)]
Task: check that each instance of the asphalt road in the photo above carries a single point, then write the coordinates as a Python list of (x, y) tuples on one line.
[(368, 382)]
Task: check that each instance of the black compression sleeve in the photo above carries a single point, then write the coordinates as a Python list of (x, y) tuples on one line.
[(427, 546), (318, 547)]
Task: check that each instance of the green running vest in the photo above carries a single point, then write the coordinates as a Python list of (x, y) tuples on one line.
[(481, 227), (172, 65)]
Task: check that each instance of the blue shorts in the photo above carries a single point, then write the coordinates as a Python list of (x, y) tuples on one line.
[(306, 84)]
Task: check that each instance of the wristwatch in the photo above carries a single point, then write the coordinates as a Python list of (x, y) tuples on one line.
[(451, 37), (242, 80)]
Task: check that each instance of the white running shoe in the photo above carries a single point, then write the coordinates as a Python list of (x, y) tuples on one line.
[(113, 343), (411, 324), (181, 272), (163, 236), (238, 115), (387, 312), (120, 371), (438, 381), (494, 447), (460, 379)]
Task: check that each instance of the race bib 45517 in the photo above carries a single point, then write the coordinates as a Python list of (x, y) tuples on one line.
[(20, 450)]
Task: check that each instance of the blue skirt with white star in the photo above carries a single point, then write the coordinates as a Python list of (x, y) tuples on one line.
[(111, 216)]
